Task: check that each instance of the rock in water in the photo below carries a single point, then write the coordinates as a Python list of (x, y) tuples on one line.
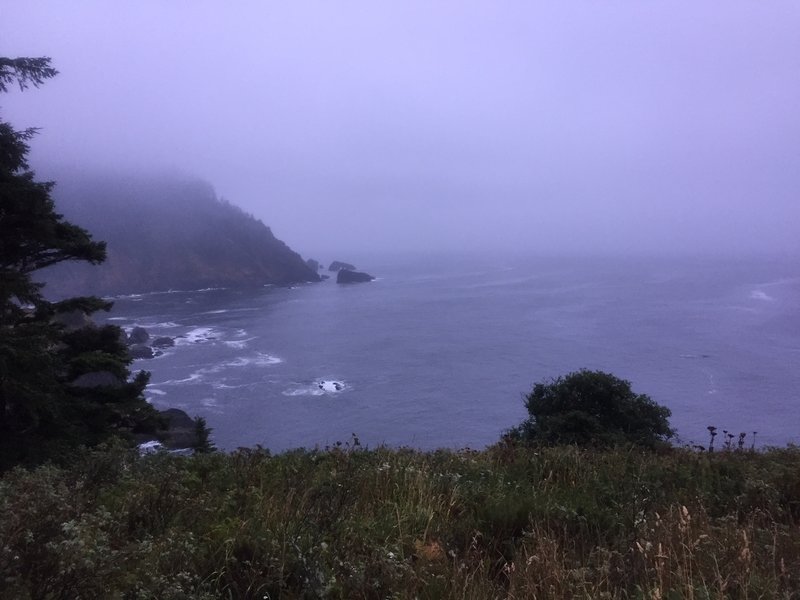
[(138, 335), (338, 265), (141, 351), (163, 342), (348, 276), (181, 429)]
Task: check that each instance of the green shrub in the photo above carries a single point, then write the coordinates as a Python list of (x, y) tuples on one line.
[(592, 408)]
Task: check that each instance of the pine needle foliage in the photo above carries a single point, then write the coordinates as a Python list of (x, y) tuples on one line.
[(43, 413)]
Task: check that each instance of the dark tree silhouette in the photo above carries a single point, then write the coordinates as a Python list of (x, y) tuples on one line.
[(51, 398)]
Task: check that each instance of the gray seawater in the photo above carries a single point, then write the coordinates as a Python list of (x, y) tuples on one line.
[(439, 354)]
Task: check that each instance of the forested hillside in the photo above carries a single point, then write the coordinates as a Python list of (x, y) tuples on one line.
[(167, 232)]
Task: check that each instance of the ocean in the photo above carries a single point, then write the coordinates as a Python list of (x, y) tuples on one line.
[(439, 353)]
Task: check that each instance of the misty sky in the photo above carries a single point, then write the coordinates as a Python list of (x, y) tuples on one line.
[(543, 127)]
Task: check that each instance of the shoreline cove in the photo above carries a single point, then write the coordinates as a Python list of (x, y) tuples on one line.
[(695, 336)]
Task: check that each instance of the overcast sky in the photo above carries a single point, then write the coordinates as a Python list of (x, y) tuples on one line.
[(540, 127)]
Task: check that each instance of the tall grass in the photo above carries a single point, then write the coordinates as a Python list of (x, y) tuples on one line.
[(346, 522)]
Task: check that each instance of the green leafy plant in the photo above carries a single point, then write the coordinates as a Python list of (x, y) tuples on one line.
[(592, 408)]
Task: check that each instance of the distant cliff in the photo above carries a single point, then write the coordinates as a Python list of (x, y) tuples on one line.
[(167, 233)]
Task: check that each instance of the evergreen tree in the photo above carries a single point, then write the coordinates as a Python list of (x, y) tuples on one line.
[(61, 385)]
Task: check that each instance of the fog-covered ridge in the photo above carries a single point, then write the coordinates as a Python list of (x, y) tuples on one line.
[(167, 232)]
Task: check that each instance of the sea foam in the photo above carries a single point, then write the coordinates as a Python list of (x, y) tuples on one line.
[(761, 295), (199, 335), (317, 388)]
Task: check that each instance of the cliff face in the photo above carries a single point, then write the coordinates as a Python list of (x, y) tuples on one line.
[(167, 233)]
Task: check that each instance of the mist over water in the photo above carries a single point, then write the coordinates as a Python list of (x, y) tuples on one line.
[(568, 127), (439, 353)]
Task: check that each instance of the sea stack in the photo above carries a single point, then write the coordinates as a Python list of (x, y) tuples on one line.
[(338, 265), (348, 276)]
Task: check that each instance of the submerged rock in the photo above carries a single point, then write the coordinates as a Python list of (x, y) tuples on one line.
[(348, 276)]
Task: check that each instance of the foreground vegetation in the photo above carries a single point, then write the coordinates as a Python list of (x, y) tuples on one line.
[(507, 522)]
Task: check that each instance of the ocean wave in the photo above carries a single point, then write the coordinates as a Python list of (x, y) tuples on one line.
[(219, 385), (761, 295), (161, 293), (304, 391), (261, 359), (199, 335), (145, 324), (317, 388), (238, 344), (196, 377)]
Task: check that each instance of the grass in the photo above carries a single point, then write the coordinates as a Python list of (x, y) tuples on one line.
[(506, 522)]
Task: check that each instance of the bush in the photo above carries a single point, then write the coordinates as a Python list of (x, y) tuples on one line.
[(592, 408)]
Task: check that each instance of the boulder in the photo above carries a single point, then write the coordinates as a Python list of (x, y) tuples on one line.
[(141, 351), (138, 335), (348, 276), (163, 342), (181, 429), (97, 379), (313, 264), (338, 266)]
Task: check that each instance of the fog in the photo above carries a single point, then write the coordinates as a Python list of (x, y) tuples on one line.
[(369, 127)]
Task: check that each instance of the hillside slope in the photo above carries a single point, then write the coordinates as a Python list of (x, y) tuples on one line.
[(168, 233)]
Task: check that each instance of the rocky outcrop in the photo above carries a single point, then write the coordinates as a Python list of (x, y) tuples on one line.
[(348, 276), (313, 265), (138, 335), (339, 265), (138, 351), (181, 429), (163, 342), (180, 434)]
